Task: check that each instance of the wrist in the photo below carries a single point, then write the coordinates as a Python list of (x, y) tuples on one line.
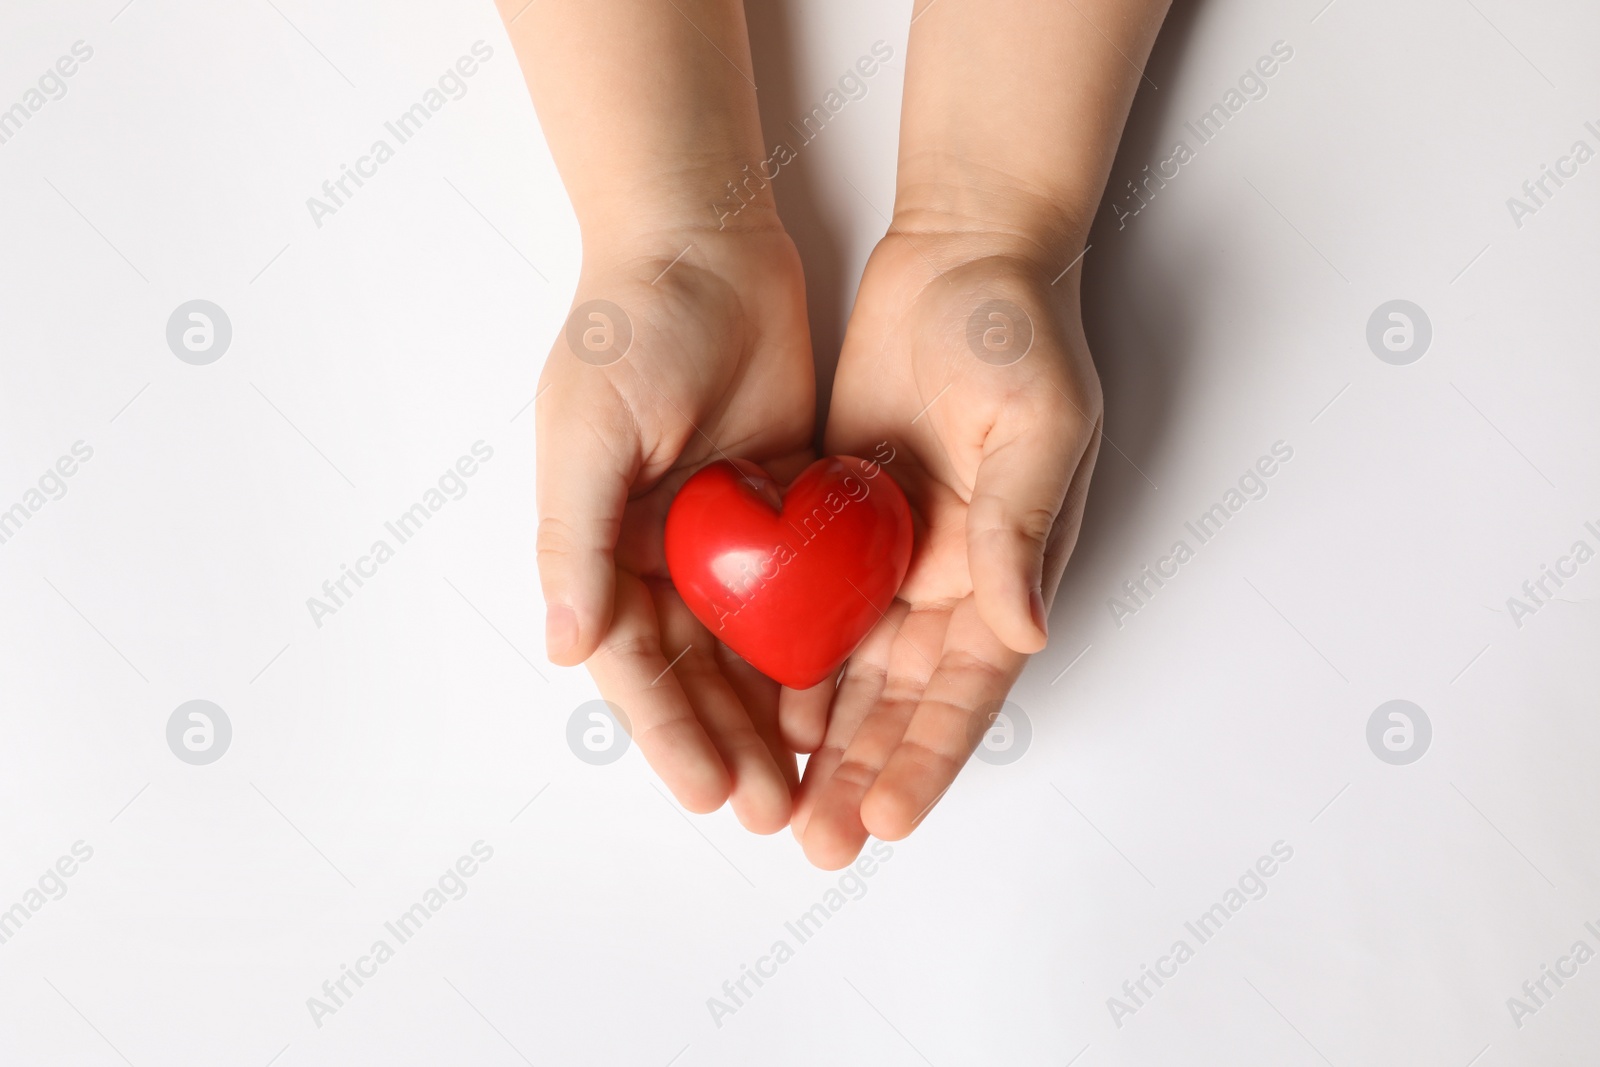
[(1045, 221), (650, 245), (722, 196)]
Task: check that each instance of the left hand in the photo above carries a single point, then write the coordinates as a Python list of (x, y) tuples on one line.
[(994, 415)]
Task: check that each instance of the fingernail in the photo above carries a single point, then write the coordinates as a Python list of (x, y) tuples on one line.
[(1036, 606), (560, 630)]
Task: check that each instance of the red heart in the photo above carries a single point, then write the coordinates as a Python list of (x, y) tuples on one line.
[(790, 580)]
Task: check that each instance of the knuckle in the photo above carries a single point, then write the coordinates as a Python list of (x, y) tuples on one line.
[(976, 673), (555, 538), (938, 765), (627, 646), (990, 516), (1033, 525), (659, 736), (854, 772)]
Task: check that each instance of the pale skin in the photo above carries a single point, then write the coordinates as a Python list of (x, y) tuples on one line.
[(1012, 113)]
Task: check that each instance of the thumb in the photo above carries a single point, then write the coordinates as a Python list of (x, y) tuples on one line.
[(1017, 498), (585, 468)]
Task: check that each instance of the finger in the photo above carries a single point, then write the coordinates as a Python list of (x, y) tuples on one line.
[(585, 467), (632, 673), (803, 714), (975, 673), (835, 832), (859, 689), (857, 693), (758, 792), (759, 695), (1016, 498)]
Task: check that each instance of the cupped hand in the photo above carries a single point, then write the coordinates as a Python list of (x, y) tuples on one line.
[(684, 348), (964, 356)]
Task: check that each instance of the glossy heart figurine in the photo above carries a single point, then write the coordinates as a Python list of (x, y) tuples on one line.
[(792, 579)]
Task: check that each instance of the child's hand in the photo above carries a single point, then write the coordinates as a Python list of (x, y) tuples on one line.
[(719, 364), (994, 411), (1009, 124)]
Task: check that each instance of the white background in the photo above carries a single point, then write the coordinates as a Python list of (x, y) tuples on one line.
[(1229, 714)]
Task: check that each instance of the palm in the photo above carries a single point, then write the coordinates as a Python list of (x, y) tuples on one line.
[(918, 693)]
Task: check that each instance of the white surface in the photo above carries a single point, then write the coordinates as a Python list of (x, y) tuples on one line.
[(1222, 718)]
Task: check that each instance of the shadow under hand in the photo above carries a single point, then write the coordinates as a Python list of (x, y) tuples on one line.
[(1136, 310)]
